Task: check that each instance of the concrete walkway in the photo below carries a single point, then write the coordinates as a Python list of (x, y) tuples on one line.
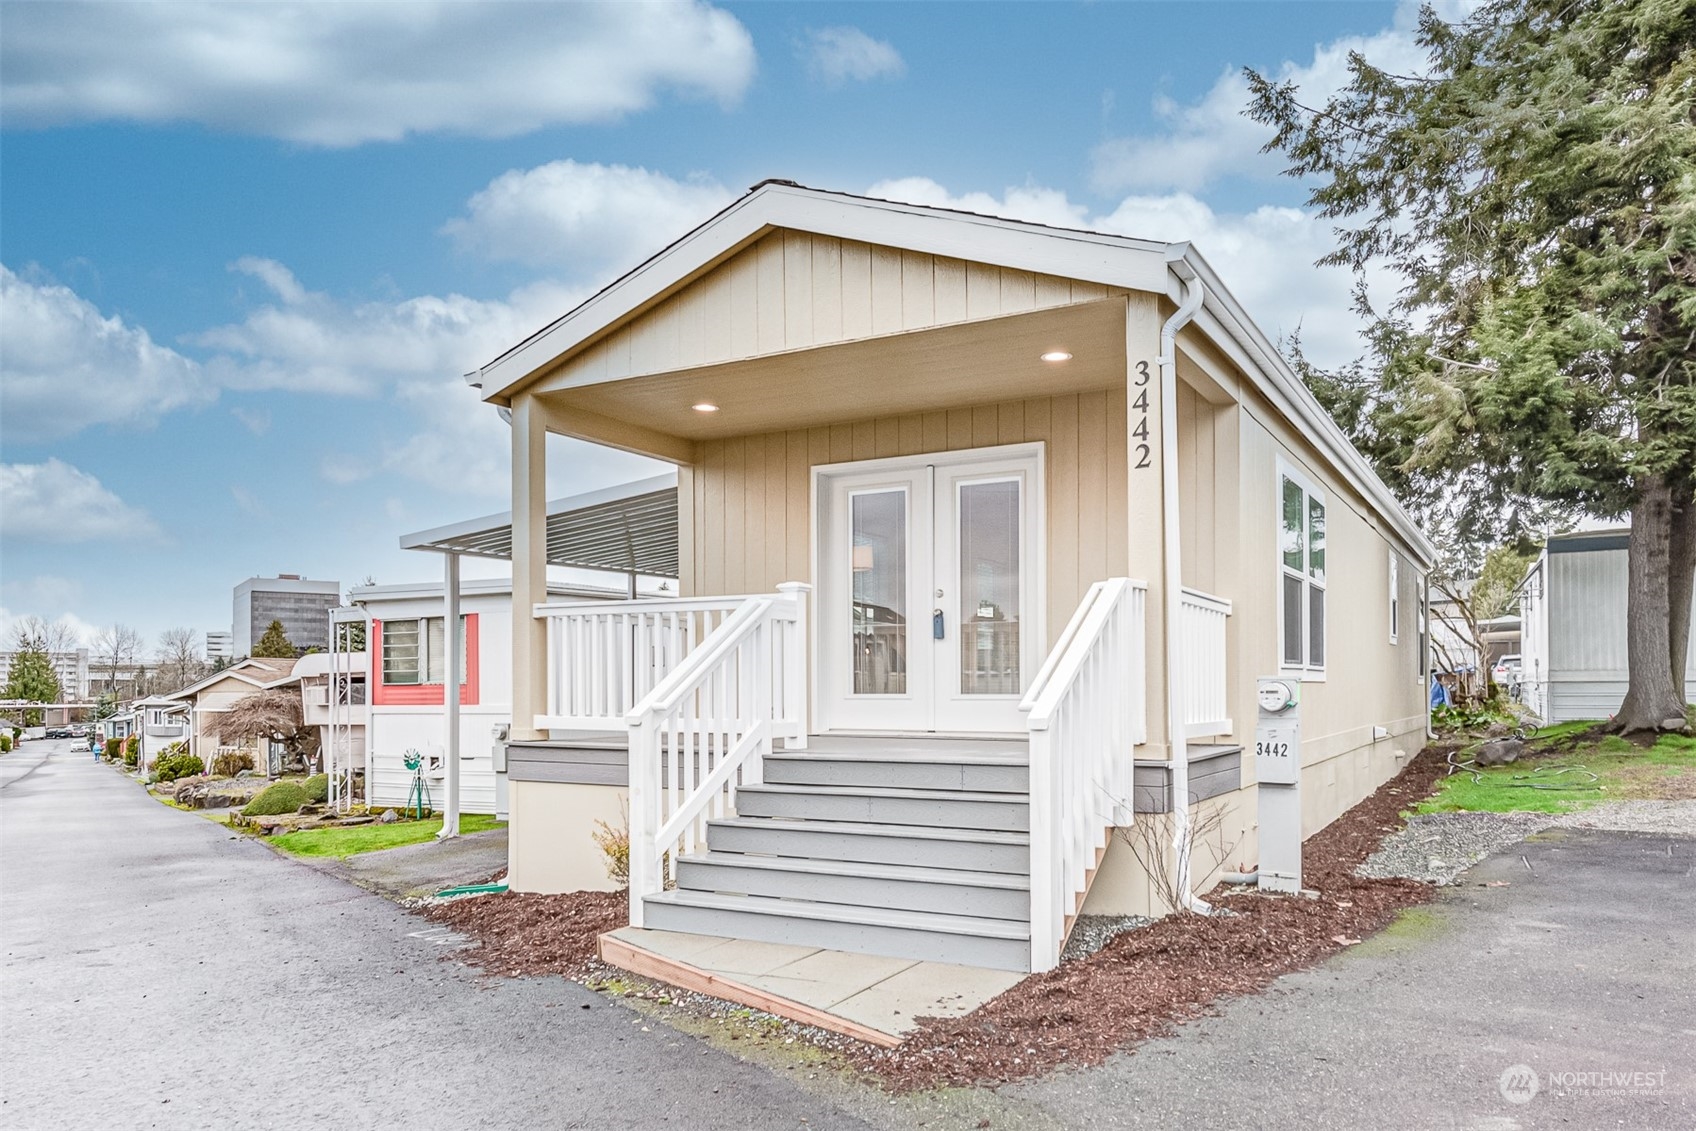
[(867, 997), (159, 971), (425, 869)]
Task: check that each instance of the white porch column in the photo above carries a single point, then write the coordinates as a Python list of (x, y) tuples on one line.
[(529, 565), (454, 639)]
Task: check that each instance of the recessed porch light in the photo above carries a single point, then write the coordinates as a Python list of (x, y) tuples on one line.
[(1057, 355), (706, 406)]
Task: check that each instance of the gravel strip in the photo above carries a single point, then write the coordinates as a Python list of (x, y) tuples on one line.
[(1092, 932), (1436, 847), (1672, 818)]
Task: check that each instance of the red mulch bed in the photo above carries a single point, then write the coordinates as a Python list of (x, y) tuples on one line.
[(524, 934), (1138, 986), (1147, 980)]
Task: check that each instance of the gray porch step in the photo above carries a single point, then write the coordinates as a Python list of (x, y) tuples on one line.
[(950, 808), (975, 850), (980, 774), (923, 936), (987, 895)]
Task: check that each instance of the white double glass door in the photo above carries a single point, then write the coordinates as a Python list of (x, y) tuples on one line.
[(929, 594)]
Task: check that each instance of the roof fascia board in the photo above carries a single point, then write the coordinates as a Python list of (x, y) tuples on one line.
[(1229, 327), (1116, 261)]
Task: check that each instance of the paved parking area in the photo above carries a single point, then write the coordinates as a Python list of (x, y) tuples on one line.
[(1580, 965)]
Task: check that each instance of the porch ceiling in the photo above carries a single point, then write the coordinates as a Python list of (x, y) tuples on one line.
[(948, 367)]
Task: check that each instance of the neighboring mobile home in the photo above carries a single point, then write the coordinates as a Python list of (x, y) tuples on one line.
[(406, 711), (210, 697), (1572, 623), (985, 531)]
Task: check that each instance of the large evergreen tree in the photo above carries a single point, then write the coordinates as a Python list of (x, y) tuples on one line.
[(31, 677), (275, 642), (1536, 189)]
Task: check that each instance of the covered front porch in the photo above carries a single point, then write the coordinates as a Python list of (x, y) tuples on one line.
[(911, 684)]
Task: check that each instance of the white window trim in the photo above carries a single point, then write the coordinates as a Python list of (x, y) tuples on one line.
[(1395, 595), (1307, 673)]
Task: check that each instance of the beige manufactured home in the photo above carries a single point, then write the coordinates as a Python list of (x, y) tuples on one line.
[(985, 530)]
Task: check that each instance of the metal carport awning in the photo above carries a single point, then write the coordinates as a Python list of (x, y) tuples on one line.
[(630, 528)]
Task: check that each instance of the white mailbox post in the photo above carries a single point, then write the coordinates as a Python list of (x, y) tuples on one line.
[(1277, 767)]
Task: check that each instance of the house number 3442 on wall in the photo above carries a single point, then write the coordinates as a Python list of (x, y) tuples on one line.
[(1139, 415)]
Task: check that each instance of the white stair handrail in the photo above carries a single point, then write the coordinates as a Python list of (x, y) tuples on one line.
[(702, 731), (1086, 712)]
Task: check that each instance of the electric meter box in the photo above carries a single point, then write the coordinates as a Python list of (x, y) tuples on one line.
[(1277, 731)]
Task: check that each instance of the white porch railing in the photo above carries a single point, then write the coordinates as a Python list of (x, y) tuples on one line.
[(1201, 625), (706, 727), (604, 657), (1087, 710)]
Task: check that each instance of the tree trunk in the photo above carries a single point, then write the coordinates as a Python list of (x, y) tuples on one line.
[(1651, 698), (1681, 579)]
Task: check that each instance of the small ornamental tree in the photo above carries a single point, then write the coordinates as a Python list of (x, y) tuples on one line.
[(274, 643), (1534, 184)]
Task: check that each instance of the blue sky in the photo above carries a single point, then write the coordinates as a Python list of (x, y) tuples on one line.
[(249, 248)]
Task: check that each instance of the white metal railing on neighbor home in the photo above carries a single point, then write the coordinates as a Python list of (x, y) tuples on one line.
[(1201, 646), (1086, 711), (706, 727), (604, 657)]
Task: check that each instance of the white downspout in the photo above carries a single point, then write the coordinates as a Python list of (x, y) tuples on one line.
[(1172, 570), (453, 637)]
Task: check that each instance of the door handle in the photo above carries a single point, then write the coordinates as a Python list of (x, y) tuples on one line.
[(936, 627)]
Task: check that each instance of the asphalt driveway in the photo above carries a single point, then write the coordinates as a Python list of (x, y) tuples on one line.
[(1581, 965), (156, 971)]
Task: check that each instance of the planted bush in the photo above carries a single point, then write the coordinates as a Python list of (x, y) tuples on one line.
[(277, 798), (5, 743), (317, 788), (171, 766), (114, 748), (230, 763)]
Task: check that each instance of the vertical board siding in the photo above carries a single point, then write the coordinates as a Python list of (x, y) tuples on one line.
[(794, 290), (751, 524)]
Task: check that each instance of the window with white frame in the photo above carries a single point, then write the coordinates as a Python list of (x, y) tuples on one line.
[(415, 651), (1421, 664), (1395, 596), (1301, 573)]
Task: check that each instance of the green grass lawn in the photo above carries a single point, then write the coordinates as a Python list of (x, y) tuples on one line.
[(372, 838), (1624, 771)]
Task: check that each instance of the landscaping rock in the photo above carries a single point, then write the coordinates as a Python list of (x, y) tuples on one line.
[(389, 817), (244, 773), (1499, 753)]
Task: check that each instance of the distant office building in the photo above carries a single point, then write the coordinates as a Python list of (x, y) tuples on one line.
[(221, 646), (71, 668), (302, 605)]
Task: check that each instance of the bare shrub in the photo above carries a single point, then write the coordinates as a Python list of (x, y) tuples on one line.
[(1151, 841)]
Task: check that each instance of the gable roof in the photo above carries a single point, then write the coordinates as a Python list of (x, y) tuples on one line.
[(259, 671), (1111, 260)]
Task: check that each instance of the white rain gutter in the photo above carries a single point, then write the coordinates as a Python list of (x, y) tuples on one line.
[(1189, 301)]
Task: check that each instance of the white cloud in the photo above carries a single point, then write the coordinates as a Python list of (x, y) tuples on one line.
[(352, 72), (48, 598), (308, 342), (841, 54), (257, 421), (55, 502), (65, 366), (583, 220), (1034, 203), (1212, 138), (1266, 256)]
